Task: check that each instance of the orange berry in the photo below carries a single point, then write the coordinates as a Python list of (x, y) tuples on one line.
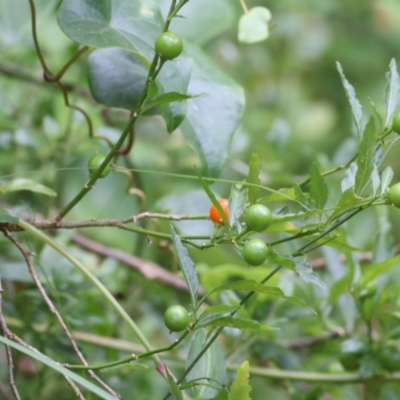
[(215, 216)]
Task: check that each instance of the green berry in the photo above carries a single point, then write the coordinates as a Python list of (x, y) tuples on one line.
[(258, 217), (169, 45), (255, 252), (176, 318), (94, 164)]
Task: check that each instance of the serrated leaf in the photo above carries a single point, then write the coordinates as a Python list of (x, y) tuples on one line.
[(319, 189), (347, 201), (254, 25), (211, 365), (355, 105), (365, 160), (349, 179), (187, 267), (237, 203), (234, 322), (57, 367), (392, 92), (300, 196), (7, 218), (254, 177), (387, 176), (307, 274), (240, 389), (26, 184)]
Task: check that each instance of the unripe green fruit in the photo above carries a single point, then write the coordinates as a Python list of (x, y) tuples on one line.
[(176, 318), (94, 164), (255, 252), (394, 195), (396, 122), (169, 45), (258, 217)]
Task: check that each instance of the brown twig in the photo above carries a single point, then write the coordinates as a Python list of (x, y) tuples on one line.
[(4, 330), (27, 256), (148, 269)]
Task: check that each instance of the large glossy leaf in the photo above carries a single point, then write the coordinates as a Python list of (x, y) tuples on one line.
[(202, 20), (117, 78), (126, 24), (211, 365), (212, 119)]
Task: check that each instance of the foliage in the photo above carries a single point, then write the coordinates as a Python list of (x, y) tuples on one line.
[(268, 221)]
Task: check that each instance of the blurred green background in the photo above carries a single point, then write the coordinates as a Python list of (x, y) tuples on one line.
[(296, 113)]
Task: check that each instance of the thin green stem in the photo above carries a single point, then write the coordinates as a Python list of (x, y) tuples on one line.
[(108, 296)]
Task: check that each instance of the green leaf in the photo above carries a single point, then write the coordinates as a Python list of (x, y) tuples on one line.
[(212, 119), (239, 323), (387, 176), (300, 196), (240, 389), (174, 386), (355, 105), (167, 98), (349, 178), (392, 92), (57, 367), (307, 274), (202, 20), (211, 365), (319, 189), (214, 200), (378, 269), (187, 267), (237, 203), (253, 177), (365, 160), (347, 201), (112, 23), (26, 184), (253, 286), (7, 218), (254, 25), (117, 79)]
